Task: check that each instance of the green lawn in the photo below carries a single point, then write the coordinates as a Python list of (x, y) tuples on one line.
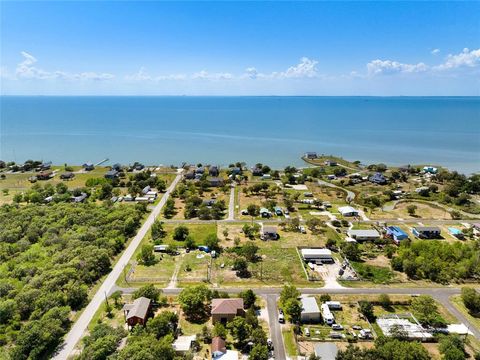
[(376, 274), (289, 340), (457, 301)]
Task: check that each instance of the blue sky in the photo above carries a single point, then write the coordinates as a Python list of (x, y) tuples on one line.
[(240, 48)]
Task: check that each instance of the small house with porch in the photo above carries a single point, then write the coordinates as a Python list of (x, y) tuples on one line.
[(426, 232)]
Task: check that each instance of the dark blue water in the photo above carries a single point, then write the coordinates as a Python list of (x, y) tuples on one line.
[(272, 130)]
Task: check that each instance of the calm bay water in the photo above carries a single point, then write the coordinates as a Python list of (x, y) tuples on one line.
[(220, 130)]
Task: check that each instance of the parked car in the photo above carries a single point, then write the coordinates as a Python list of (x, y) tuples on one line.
[(337, 327), (270, 344), (244, 212), (307, 332), (356, 327), (281, 318), (302, 229)]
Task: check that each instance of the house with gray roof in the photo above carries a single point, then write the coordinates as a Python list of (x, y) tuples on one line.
[(138, 312)]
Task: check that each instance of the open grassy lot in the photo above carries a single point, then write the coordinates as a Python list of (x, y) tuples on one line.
[(373, 273), (423, 211), (162, 271), (457, 301)]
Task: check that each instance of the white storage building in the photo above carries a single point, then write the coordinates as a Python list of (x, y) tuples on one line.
[(310, 310)]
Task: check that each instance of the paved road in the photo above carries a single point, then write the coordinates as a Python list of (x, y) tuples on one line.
[(350, 194), (231, 204), (78, 328), (275, 327)]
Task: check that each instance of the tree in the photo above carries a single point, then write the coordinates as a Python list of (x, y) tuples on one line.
[(189, 242), (148, 291), (158, 232), (146, 256), (212, 242), (411, 209), (194, 300), (293, 309), (259, 352), (219, 330), (288, 292), (116, 297), (147, 348), (240, 330), (163, 324), (426, 311), (452, 347), (248, 297), (61, 188), (366, 308), (240, 265), (351, 251), (471, 300), (253, 210), (325, 297), (249, 251), (180, 233), (313, 224)]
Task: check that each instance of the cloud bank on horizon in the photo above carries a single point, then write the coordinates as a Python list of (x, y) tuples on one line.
[(467, 61)]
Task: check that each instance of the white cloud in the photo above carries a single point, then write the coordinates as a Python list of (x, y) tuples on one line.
[(307, 68), (251, 73), (205, 75), (379, 67), (467, 58), (435, 51), (140, 75), (27, 70)]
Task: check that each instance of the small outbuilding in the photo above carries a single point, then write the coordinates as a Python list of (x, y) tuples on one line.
[(396, 234), (184, 344), (269, 233), (310, 310), (111, 174), (67, 175), (326, 350)]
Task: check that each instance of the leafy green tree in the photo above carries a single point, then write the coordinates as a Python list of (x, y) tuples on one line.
[(180, 233), (158, 232), (240, 265), (146, 255), (385, 301), (411, 209), (212, 242), (249, 251), (219, 330), (194, 301), (240, 330), (249, 298), (259, 352), (163, 324), (147, 348), (426, 311), (366, 308), (253, 210), (471, 300), (351, 251), (293, 309), (148, 291)]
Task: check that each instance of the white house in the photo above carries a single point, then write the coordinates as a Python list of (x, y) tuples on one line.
[(348, 211), (334, 305), (317, 255)]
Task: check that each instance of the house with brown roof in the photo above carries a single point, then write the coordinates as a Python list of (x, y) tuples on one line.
[(138, 312), (224, 310), (218, 347)]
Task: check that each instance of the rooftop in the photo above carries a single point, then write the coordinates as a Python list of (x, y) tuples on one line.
[(139, 308), (309, 305), (226, 306)]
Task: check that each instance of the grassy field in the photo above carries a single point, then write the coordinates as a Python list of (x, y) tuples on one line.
[(375, 274), (457, 301), (289, 341)]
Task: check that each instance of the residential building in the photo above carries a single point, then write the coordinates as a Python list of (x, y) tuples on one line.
[(348, 211), (44, 175), (215, 182), (200, 170), (310, 310), (378, 178), (311, 155), (426, 232), (278, 210), (364, 235), (331, 163), (430, 169), (111, 174), (396, 233), (218, 347), (117, 167), (67, 175), (138, 312), (213, 171), (456, 232), (257, 171), (318, 256), (265, 213), (224, 310), (88, 166), (80, 198)]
